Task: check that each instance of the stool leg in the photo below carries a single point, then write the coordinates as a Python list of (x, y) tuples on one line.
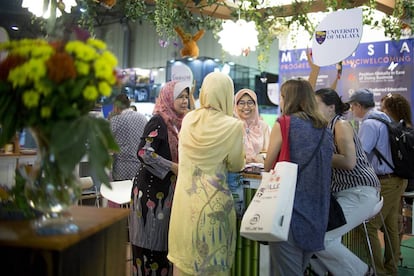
[(387, 236), (371, 254)]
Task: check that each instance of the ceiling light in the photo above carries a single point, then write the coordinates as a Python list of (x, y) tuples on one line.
[(42, 8), (238, 38)]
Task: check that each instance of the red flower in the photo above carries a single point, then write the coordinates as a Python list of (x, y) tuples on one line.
[(12, 61), (61, 67)]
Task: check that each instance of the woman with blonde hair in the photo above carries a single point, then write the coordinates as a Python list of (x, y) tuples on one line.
[(307, 135)]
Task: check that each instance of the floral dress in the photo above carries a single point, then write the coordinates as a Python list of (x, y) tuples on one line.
[(152, 195)]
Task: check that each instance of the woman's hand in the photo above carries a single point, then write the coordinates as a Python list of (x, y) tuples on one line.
[(174, 168)]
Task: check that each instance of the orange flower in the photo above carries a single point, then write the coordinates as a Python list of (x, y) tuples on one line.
[(61, 67)]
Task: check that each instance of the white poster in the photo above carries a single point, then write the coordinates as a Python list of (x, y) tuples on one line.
[(273, 92), (181, 72), (337, 36)]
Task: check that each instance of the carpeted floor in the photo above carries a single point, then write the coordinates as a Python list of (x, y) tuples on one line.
[(406, 267)]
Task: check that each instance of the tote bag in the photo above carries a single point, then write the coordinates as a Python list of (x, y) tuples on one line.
[(268, 215)]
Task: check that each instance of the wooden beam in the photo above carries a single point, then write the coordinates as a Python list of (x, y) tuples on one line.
[(386, 6), (224, 9)]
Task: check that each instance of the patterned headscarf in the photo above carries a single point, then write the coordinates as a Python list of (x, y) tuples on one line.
[(164, 107)]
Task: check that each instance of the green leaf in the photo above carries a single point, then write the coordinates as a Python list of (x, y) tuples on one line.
[(86, 136), (101, 143), (68, 143)]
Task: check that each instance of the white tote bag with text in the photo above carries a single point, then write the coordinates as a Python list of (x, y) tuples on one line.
[(268, 215)]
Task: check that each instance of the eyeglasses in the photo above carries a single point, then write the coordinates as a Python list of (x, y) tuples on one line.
[(249, 103)]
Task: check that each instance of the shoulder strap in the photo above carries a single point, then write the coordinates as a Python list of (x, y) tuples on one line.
[(314, 152), (377, 153), (284, 153)]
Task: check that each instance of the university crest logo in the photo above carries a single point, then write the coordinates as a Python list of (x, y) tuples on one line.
[(320, 36)]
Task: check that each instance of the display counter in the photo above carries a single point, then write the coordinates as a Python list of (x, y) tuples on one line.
[(251, 258), (99, 248)]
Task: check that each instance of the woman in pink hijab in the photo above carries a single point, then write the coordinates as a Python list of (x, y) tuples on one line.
[(154, 183), (256, 131)]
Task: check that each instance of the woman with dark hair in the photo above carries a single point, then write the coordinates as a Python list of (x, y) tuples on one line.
[(256, 131), (312, 196), (397, 108), (354, 184)]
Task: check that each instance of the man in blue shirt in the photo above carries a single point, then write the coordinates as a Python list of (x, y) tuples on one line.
[(374, 134)]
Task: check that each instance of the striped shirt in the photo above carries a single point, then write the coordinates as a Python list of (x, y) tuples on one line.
[(362, 174)]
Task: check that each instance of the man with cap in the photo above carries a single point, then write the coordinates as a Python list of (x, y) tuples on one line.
[(374, 134)]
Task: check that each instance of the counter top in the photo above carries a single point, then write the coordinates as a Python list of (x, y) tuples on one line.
[(89, 219), (24, 153)]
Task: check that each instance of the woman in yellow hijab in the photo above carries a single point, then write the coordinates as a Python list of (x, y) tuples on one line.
[(203, 230)]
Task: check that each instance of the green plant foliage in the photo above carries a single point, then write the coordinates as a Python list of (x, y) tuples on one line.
[(166, 14)]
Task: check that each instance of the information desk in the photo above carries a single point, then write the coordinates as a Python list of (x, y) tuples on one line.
[(98, 249)]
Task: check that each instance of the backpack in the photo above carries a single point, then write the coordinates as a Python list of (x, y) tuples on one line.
[(401, 140)]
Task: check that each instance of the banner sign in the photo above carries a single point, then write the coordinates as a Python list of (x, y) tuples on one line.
[(382, 67), (337, 36)]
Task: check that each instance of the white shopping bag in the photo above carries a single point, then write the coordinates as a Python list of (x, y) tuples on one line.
[(268, 215)]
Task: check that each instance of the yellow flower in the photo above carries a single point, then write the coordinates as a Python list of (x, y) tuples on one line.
[(110, 58), (30, 98), (102, 68), (82, 68), (36, 69), (81, 51), (42, 51), (99, 44), (18, 76), (90, 93), (104, 88), (45, 112)]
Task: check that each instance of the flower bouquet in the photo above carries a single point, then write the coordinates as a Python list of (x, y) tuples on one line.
[(49, 88)]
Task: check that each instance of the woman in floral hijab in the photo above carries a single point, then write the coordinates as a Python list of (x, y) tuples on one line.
[(153, 189)]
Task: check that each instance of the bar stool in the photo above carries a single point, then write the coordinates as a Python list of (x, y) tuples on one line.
[(376, 211), (410, 195), (120, 192)]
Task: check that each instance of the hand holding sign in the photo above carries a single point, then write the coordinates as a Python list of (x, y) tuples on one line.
[(337, 36)]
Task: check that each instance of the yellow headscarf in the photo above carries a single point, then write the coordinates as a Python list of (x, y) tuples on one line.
[(207, 128)]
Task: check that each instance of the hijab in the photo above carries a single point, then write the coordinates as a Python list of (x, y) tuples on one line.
[(164, 107), (253, 128), (212, 125)]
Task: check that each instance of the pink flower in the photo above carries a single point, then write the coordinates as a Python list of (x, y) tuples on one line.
[(150, 204), (153, 133)]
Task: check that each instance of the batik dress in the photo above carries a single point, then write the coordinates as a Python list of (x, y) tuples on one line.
[(152, 196)]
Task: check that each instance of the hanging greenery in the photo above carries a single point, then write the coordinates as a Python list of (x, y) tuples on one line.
[(271, 22)]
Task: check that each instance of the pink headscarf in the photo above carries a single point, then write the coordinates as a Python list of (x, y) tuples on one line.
[(164, 107), (253, 132)]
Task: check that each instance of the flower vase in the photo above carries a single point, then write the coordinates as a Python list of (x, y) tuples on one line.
[(51, 191)]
